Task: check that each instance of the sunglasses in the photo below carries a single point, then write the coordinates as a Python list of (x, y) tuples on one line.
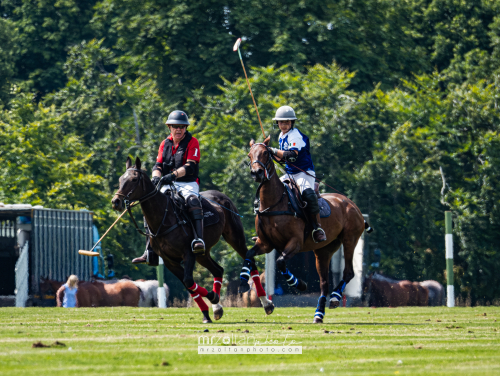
[(178, 126)]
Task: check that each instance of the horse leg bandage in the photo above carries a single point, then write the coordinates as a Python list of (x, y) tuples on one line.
[(199, 300), (291, 280), (245, 270), (320, 309), (256, 281), (337, 293), (198, 290), (217, 285)]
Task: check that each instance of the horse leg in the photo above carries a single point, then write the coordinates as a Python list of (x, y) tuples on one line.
[(323, 257), (217, 271), (197, 292), (349, 246), (292, 248), (249, 264)]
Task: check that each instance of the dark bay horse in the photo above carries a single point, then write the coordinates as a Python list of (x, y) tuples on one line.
[(172, 239), (285, 233)]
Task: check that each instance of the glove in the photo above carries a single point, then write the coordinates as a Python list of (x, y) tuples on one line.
[(155, 180), (168, 179), (273, 150)]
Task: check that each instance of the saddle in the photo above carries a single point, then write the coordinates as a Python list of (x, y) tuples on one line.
[(295, 199), (210, 215)]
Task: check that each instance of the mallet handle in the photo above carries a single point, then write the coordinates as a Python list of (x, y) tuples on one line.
[(248, 83), (114, 223)]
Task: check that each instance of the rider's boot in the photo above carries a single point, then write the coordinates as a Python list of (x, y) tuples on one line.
[(196, 214), (312, 210), (149, 257)]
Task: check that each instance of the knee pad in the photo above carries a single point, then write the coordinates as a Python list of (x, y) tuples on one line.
[(310, 197), (195, 211)]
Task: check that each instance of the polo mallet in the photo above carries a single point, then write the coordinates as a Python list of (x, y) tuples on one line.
[(91, 252), (237, 48)]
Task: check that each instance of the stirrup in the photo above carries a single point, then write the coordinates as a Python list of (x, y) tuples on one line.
[(318, 229), (196, 240)]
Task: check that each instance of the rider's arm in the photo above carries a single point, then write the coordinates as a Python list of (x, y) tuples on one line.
[(285, 153), (187, 169), (157, 169)]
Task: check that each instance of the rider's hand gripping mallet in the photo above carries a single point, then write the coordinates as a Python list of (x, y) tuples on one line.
[(91, 253), (237, 48)]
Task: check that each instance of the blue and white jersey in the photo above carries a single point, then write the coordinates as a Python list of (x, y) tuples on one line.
[(296, 140)]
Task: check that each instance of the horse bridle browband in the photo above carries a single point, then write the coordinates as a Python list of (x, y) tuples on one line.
[(147, 196), (266, 165)]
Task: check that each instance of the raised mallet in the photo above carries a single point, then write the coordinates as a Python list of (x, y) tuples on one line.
[(237, 48)]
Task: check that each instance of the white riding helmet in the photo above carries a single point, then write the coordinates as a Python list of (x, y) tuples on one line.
[(285, 113)]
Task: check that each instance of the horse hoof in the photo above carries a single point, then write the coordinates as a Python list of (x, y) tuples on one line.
[(207, 321), (244, 287), (301, 286), (334, 303), (269, 308), (317, 320), (218, 311)]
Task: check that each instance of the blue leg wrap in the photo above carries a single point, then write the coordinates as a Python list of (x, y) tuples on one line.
[(245, 270), (290, 278), (337, 293), (320, 309)]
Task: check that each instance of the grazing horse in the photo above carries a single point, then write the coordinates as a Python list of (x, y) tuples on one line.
[(278, 228), (171, 236)]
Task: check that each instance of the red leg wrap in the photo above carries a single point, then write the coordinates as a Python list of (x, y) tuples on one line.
[(199, 300), (256, 281), (198, 290), (217, 285)]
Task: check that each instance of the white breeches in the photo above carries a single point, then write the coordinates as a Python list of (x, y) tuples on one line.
[(186, 189), (303, 180)]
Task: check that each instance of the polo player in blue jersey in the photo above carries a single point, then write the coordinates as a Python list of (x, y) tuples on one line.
[(294, 150)]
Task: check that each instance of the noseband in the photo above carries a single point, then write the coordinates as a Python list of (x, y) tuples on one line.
[(147, 196), (266, 165)]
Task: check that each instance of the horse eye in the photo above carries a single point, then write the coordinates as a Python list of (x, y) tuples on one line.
[(134, 179), (265, 153)]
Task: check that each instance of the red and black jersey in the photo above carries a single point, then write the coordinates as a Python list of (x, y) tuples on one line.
[(171, 158)]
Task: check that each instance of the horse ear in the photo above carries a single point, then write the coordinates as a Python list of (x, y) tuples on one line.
[(266, 141), (128, 164), (252, 142), (138, 163)]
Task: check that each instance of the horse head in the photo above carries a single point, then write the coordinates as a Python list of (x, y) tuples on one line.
[(260, 161), (134, 185)]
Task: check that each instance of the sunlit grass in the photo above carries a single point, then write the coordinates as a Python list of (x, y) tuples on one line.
[(140, 341)]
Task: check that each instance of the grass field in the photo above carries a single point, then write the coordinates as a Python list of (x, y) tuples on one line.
[(139, 341)]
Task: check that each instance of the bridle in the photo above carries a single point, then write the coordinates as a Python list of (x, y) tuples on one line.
[(147, 196), (264, 166)]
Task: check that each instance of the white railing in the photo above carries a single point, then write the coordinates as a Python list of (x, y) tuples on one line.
[(22, 277)]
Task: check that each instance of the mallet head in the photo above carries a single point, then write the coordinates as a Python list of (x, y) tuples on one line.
[(88, 253), (237, 45)]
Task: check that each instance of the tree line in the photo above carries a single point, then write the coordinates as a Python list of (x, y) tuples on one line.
[(399, 100)]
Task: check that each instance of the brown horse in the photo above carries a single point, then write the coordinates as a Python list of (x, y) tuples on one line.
[(278, 229), (171, 236), (382, 291), (97, 294)]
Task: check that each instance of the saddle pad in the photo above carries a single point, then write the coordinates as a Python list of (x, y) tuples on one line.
[(210, 215), (324, 209)]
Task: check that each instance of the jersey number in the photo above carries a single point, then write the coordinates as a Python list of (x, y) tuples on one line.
[(195, 152)]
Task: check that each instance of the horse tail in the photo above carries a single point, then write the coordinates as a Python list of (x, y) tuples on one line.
[(368, 228)]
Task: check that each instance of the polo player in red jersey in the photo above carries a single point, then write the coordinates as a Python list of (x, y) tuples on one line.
[(178, 164)]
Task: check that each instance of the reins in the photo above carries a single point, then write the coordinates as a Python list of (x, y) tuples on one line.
[(129, 204)]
